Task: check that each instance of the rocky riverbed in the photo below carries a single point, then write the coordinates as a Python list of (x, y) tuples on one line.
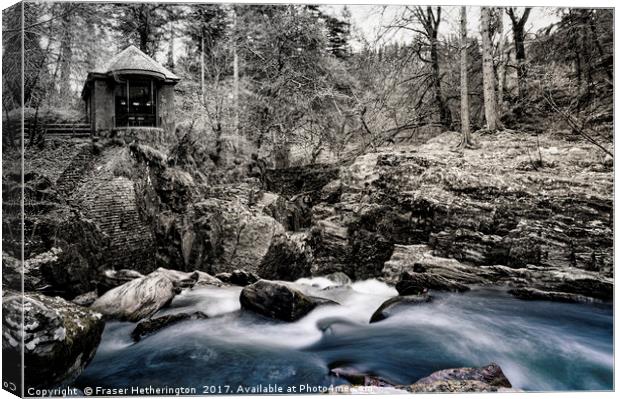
[(547, 346), (426, 223)]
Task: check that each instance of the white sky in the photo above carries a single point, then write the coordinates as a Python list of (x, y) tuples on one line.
[(369, 20)]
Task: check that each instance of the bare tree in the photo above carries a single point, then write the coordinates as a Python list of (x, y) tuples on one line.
[(424, 22), (518, 33), (488, 74), (430, 21), (465, 130)]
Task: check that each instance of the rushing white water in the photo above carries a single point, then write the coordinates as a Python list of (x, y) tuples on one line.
[(539, 345)]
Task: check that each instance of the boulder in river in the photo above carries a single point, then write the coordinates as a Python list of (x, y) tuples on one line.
[(419, 258), (454, 386), (289, 257), (387, 308), (278, 300), (151, 326), (228, 235), (113, 278), (60, 338), (340, 278), (412, 283), (357, 377), (86, 299), (238, 277), (205, 279), (467, 379), (180, 280), (490, 374), (137, 298), (540, 295)]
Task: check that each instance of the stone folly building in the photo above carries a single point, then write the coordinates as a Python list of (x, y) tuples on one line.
[(131, 90), (129, 99)]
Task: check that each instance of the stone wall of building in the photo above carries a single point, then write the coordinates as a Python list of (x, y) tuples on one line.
[(165, 101), (103, 105), (155, 137)]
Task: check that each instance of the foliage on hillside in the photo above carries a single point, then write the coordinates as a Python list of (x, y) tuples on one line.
[(285, 80)]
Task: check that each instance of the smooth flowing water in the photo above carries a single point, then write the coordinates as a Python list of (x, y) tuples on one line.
[(539, 345)]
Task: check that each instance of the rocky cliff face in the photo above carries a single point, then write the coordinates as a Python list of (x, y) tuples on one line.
[(484, 217)]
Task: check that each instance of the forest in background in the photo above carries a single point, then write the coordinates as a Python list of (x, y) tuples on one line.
[(285, 78)]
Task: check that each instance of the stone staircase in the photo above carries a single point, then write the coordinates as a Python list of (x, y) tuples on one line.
[(66, 130)]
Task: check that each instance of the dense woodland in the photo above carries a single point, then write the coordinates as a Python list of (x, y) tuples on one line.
[(288, 76)]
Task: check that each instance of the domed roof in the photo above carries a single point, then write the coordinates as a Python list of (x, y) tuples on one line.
[(133, 61)]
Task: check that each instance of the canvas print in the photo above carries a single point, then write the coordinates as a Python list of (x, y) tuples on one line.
[(223, 198)]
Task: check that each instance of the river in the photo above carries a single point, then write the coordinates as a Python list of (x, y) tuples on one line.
[(540, 345)]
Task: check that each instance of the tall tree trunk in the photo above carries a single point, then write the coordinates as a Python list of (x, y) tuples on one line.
[(444, 112), (65, 56), (500, 68), (488, 75), (235, 77), (145, 31), (171, 48), (466, 141), (9, 138), (202, 67), (518, 34), (433, 31), (431, 22)]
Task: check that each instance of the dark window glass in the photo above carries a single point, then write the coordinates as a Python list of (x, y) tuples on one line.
[(139, 108)]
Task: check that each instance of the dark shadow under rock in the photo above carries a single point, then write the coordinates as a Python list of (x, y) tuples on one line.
[(238, 277)]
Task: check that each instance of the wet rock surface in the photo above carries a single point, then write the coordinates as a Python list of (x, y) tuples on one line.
[(279, 300), (491, 374), (60, 338), (357, 377), (151, 326), (113, 278), (454, 386), (138, 298), (205, 279), (534, 294), (388, 307), (489, 378), (412, 283), (86, 299), (238, 277)]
